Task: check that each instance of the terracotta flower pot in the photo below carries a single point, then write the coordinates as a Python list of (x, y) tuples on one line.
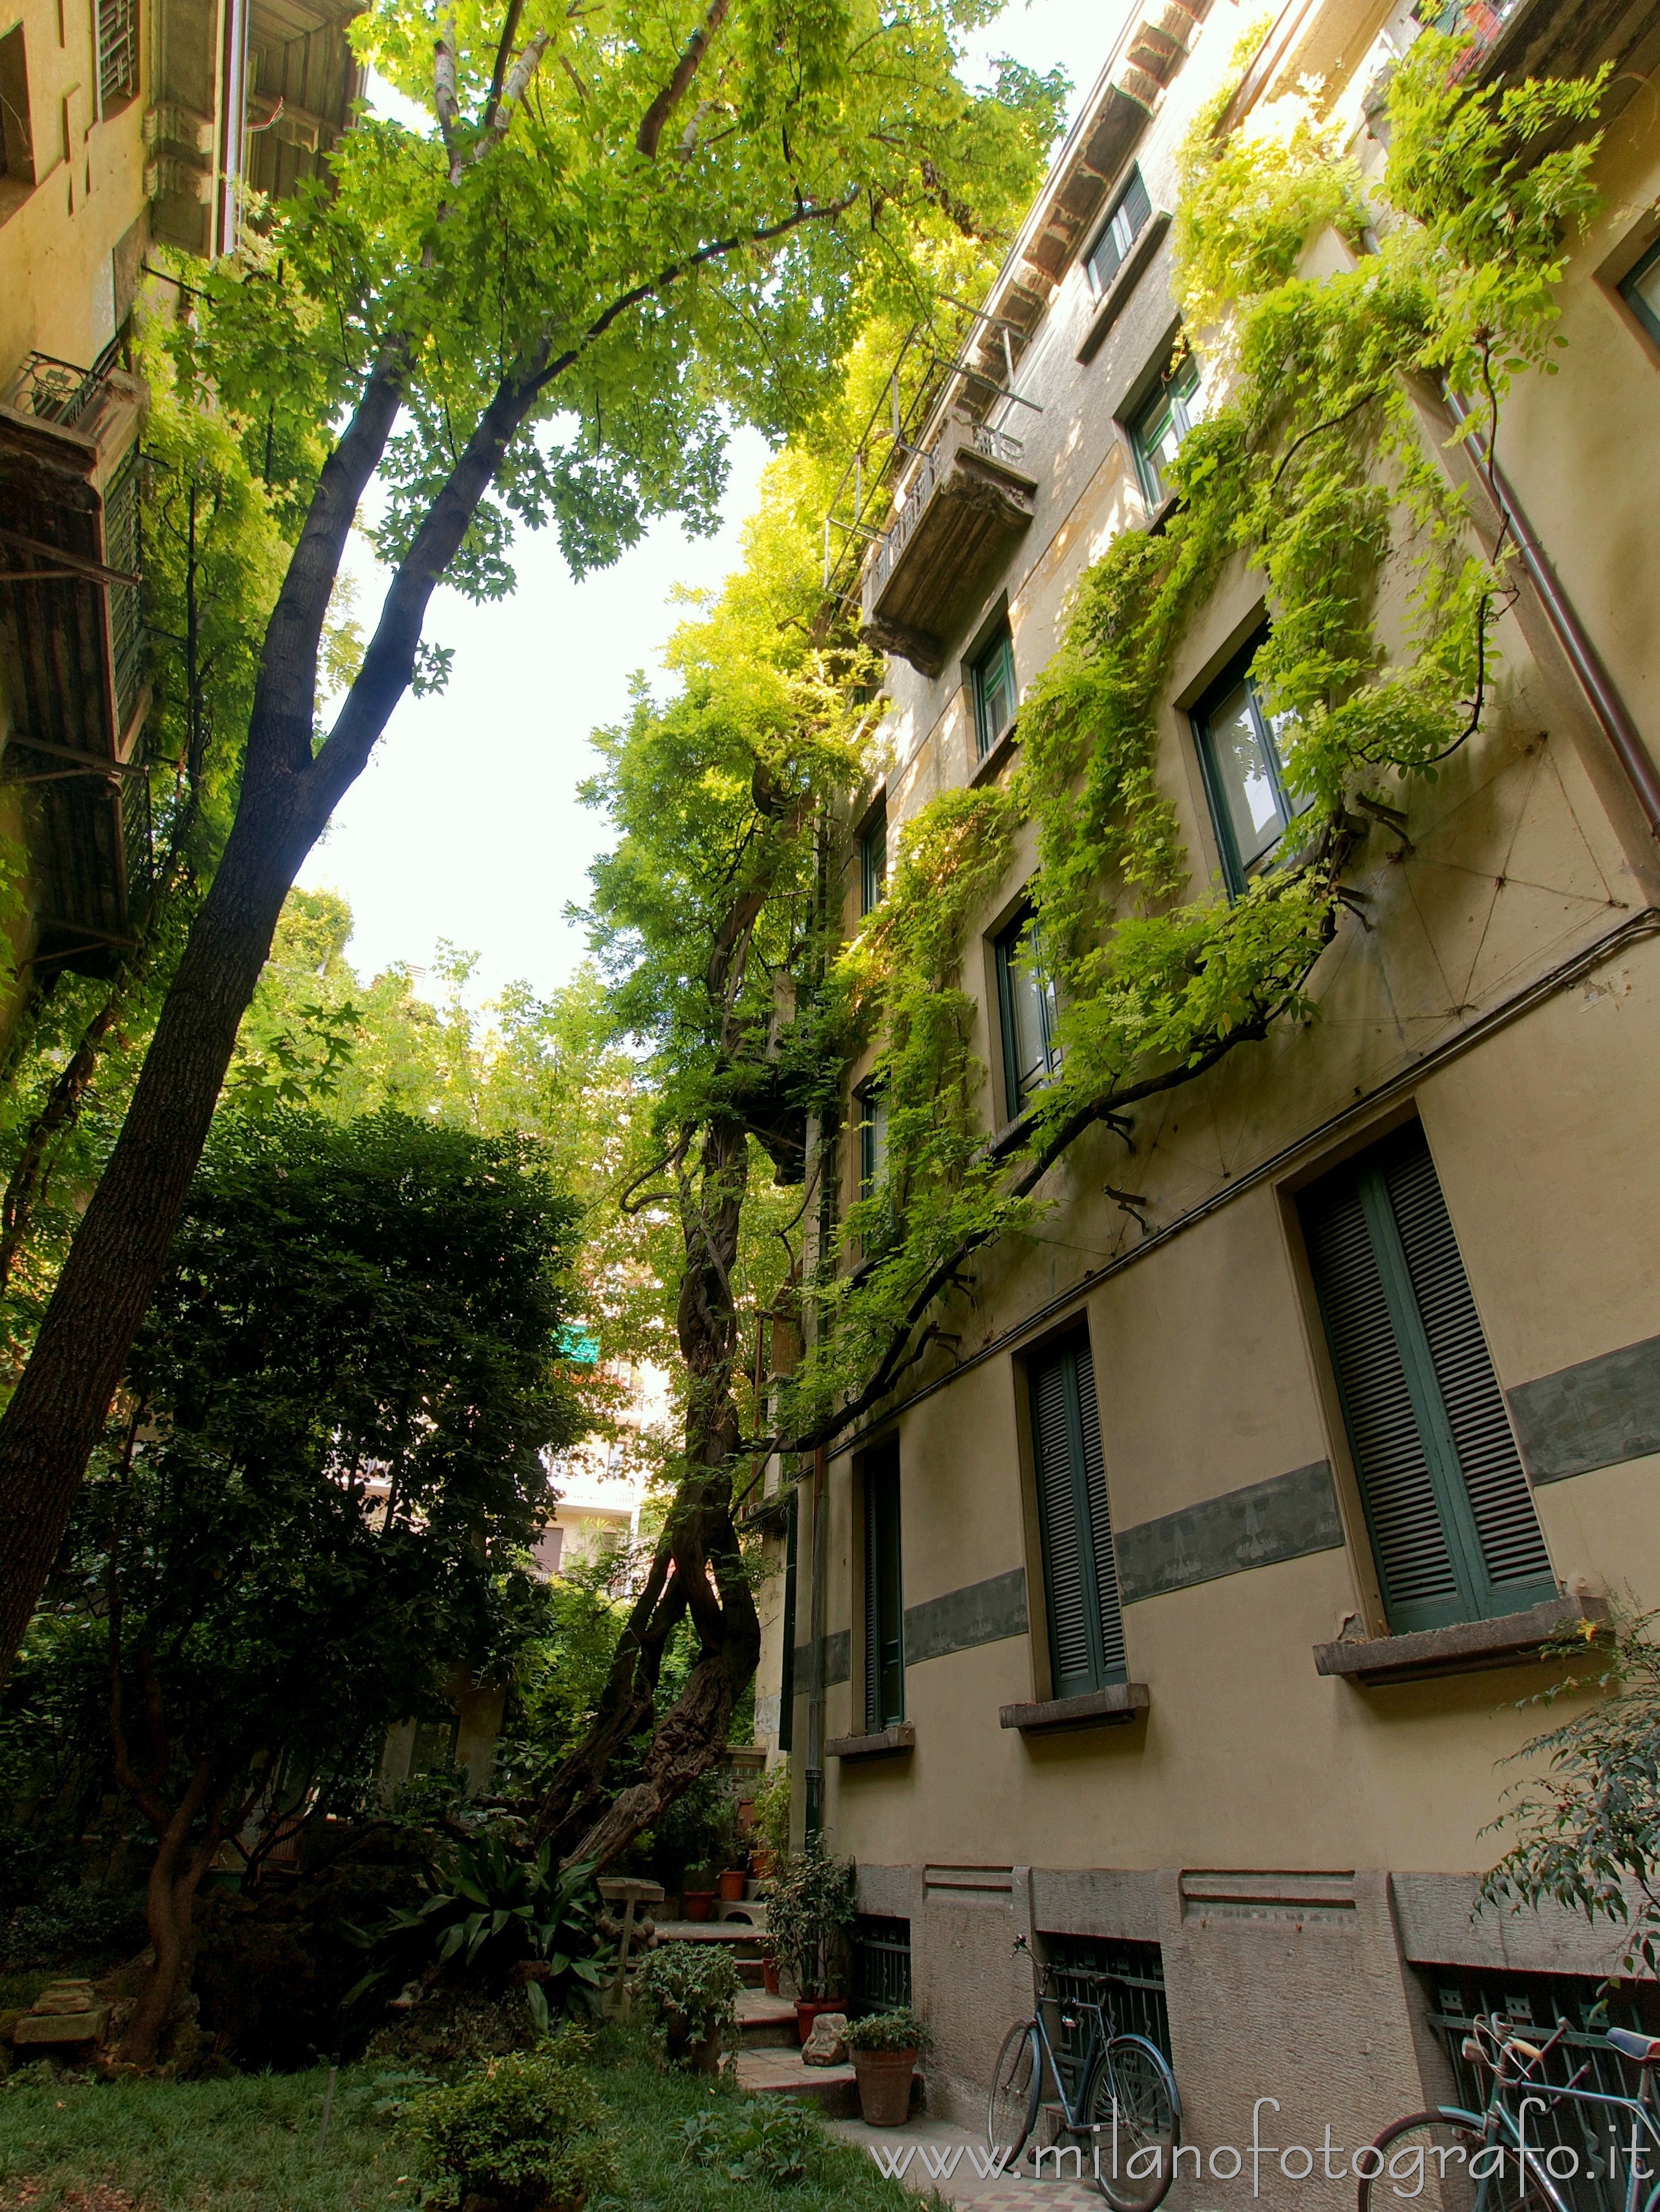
[(884, 2078), (700, 1904), (763, 1861), (808, 2010), (732, 1885), (769, 1977)]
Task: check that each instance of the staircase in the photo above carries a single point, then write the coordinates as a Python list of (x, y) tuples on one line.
[(768, 2044)]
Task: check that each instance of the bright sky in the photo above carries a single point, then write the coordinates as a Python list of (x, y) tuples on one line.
[(465, 826)]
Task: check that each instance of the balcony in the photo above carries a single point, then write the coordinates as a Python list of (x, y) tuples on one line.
[(964, 507), (71, 654), (1519, 39)]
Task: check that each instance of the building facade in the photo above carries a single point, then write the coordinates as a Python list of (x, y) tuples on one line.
[(1183, 1619)]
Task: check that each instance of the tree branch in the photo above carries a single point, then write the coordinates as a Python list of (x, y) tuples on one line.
[(651, 128)]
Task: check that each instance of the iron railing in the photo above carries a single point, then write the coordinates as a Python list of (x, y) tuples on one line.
[(996, 445), (61, 391), (1133, 2001), (881, 1964)]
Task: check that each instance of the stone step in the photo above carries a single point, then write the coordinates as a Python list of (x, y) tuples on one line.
[(767, 2023), (748, 1941), (780, 2073)]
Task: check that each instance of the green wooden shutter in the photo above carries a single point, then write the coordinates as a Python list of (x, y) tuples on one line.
[(787, 1671), (884, 1619), (1447, 1504), (1080, 1577)]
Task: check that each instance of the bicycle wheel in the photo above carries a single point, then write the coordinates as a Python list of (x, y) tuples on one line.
[(1134, 2102), (1011, 2108), (1441, 2161)]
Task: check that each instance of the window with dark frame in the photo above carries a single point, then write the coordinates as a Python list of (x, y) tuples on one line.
[(884, 1617), (16, 138), (873, 861), (872, 1101), (118, 52), (1080, 1572), (1118, 233), (993, 691), (1448, 1504), (1161, 422), (1027, 1011), (786, 1670), (1239, 750), (1640, 290)]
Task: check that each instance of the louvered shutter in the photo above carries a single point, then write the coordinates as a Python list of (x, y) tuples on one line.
[(884, 1658), (1087, 1634), (1136, 205), (1450, 1515)]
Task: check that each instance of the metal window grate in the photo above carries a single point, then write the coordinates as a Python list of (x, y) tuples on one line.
[(881, 1964), (1133, 2004), (1537, 2003), (118, 51)]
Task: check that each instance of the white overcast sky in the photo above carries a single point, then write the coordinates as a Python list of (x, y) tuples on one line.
[(465, 826)]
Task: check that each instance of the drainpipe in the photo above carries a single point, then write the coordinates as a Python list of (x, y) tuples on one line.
[(1594, 681), (813, 1773)]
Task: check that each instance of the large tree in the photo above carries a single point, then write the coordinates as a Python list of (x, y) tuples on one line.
[(633, 221), (315, 1504)]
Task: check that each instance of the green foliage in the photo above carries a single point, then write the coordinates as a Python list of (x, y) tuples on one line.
[(766, 2141), (486, 1910), (811, 1901), (528, 2132), (772, 1811), (1587, 1829), (692, 1990), (901, 2030)]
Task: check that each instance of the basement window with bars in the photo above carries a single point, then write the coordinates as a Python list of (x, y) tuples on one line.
[(1447, 1504), (1118, 233), (881, 1964), (1537, 2004), (1081, 1573), (885, 1615), (118, 52), (1133, 2002)]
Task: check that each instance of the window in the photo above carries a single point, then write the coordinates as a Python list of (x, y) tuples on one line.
[(786, 1670), (1028, 1011), (1245, 772), (16, 138), (1118, 234), (881, 1964), (118, 52), (993, 691), (873, 861), (1162, 423), (1448, 1506), (873, 1103), (885, 1618), (1080, 1576), (1640, 291)]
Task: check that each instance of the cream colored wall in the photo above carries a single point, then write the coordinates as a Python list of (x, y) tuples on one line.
[(56, 240)]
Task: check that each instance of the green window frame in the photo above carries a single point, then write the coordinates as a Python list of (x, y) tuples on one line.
[(1082, 1604), (884, 1602), (1251, 805), (1162, 422), (873, 1103), (1028, 1012), (873, 861), (1449, 1507), (994, 696), (1640, 290), (1118, 234)]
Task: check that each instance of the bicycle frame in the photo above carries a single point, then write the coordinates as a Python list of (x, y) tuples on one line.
[(1497, 2124), (1094, 2046)]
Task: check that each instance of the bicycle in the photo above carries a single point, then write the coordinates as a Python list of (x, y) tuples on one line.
[(1127, 2094), (1495, 2165)]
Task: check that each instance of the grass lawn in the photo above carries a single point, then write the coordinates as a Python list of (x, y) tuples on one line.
[(250, 2145)]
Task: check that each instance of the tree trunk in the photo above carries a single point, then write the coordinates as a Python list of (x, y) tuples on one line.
[(169, 1914), (698, 1568)]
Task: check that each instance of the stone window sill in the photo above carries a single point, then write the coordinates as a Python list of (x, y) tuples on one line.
[(1464, 1649), (998, 758), (883, 1744), (1115, 1706), (1116, 298)]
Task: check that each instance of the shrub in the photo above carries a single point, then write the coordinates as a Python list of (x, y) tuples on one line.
[(810, 1903), (772, 1812), (904, 2030), (70, 1925), (692, 1987), (768, 2140), (525, 2133)]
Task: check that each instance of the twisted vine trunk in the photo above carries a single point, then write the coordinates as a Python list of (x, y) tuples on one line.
[(697, 1570)]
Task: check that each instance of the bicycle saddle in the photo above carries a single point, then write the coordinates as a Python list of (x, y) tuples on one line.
[(1645, 2049)]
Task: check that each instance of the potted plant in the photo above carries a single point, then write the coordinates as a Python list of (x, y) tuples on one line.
[(809, 1903), (885, 2047), (693, 1989), (771, 1824), (733, 1881)]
